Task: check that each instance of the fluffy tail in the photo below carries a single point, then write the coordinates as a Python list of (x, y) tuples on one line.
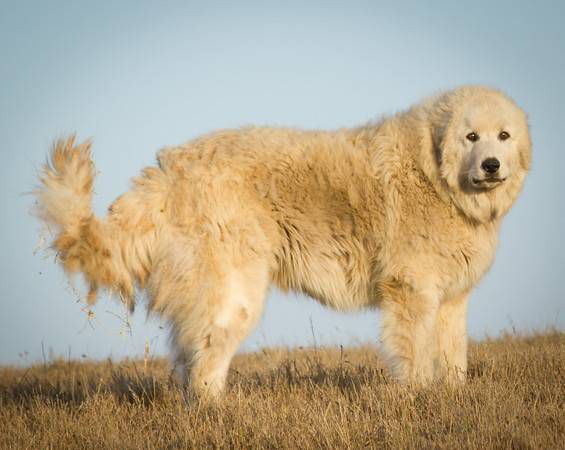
[(83, 242)]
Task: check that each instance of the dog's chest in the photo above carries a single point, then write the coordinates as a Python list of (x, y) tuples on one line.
[(448, 262), (472, 258)]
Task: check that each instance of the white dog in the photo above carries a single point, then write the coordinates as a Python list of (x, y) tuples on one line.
[(402, 215)]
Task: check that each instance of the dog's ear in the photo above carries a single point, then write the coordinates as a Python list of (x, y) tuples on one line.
[(437, 145), (440, 117), (525, 149), (445, 141)]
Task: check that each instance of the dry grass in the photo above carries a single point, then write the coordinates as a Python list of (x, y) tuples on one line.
[(306, 398)]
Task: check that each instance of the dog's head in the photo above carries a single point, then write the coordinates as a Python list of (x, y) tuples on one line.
[(482, 149)]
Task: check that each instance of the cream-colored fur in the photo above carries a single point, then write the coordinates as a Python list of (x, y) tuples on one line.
[(397, 215)]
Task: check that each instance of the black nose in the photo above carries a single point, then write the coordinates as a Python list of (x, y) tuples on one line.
[(490, 165)]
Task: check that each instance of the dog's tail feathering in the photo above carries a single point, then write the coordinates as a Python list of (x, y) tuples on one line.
[(97, 248)]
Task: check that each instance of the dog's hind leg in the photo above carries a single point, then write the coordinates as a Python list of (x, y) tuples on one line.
[(207, 330), (408, 323)]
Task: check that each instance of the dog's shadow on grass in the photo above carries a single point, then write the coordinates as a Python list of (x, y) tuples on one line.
[(70, 384), (311, 374)]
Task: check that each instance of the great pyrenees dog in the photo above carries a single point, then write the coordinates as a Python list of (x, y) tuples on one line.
[(402, 215)]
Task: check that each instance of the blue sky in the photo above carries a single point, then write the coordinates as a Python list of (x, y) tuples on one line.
[(136, 76)]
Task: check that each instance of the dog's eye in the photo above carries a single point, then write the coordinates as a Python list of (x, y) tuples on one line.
[(503, 135), (473, 137)]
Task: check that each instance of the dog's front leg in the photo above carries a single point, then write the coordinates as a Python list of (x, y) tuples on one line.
[(451, 333), (408, 324)]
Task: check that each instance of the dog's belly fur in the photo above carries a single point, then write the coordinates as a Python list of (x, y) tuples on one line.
[(339, 278)]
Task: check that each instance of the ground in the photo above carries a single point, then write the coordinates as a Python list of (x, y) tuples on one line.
[(299, 398)]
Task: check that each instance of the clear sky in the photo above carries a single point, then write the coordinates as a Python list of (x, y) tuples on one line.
[(138, 75)]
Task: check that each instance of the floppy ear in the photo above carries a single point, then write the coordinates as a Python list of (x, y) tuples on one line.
[(446, 149), (441, 116), (525, 150), (437, 147)]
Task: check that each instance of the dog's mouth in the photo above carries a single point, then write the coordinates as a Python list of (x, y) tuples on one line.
[(487, 183)]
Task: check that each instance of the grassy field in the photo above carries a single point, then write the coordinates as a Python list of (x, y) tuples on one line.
[(303, 398)]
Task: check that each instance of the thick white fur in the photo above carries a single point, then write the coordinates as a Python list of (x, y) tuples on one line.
[(394, 215)]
